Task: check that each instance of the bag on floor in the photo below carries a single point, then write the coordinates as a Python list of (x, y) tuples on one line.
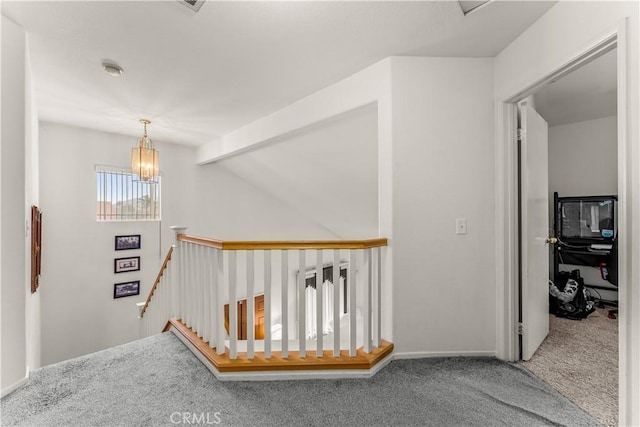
[(568, 298)]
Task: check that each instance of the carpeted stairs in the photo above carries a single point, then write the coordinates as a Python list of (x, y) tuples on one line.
[(158, 381)]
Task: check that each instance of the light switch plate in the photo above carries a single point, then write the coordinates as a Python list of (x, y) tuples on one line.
[(461, 226)]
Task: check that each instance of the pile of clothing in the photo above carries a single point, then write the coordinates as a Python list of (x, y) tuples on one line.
[(568, 297)]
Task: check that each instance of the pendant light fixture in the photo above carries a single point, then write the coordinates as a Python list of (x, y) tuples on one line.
[(145, 158)]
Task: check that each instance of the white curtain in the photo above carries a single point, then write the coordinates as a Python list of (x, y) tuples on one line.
[(311, 310)]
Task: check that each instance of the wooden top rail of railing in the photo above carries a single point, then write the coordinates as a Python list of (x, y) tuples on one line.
[(283, 244), (155, 284)]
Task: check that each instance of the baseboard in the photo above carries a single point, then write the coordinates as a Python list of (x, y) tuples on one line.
[(428, 354), (304, 374), (13, 387)]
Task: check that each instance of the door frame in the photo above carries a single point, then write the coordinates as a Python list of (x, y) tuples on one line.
[(507, 215)]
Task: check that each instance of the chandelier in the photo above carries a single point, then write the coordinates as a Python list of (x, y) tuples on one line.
[(145, 158)]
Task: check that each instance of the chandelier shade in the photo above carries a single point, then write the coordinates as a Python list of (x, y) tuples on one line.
[(145, 159)]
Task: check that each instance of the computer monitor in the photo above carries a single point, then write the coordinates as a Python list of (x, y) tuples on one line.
[(585, 220)]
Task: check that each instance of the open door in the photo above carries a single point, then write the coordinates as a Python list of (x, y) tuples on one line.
[(242, 318), (534, 217)]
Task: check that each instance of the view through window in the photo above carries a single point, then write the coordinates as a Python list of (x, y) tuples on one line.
[(121, 196)]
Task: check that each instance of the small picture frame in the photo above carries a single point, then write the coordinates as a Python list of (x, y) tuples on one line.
[(123, 265), (125, 243), (126, 289)]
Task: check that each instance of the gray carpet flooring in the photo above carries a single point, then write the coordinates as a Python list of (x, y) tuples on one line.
[(580, 360), (148, 382)]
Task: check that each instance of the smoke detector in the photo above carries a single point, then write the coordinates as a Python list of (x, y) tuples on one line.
[(112, 69), (194, 5)]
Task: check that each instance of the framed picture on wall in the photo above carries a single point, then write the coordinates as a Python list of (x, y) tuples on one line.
[(124, 243), (126, 289), (36, 247), (122, 265)]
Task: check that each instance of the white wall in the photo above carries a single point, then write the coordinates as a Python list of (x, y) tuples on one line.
[(372, 85), (435, 164), (565, 31), (12, 186), (443, 283), (583, 158), (79, 313), (318, 183)]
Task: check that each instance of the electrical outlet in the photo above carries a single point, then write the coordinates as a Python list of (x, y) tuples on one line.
[(461, 226)]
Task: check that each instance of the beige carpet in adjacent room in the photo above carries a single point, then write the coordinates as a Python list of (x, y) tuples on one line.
[(580, 360)]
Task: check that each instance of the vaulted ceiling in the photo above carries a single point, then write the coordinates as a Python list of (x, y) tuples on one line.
[(198, 76)]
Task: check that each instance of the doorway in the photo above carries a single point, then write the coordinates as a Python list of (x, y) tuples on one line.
[(507, 239), (569, 148), (242, 323)]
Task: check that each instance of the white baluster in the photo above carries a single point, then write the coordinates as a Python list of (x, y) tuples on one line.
[(170, 284), (163, 301), (193, 284), (250, 306), (319, 301), (154, 317), (285, 302), (213, 292), (336, 302), (233, 307), (171, 272), (379, 295), (204, 293), (183, 282), (197, 288), (302, 336), (352, 302), (267, 304), (221, 285), (179, 278), (150, 319), (366, 335), (187, 284), (204, 317)]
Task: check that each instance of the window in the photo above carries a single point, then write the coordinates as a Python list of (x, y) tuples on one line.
[(327, 300), (121, 196)]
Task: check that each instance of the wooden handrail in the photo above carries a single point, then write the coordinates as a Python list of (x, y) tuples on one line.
[(283, 244), (155, 284)]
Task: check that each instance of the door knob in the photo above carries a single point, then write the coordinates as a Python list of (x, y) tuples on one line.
[(551, 240)]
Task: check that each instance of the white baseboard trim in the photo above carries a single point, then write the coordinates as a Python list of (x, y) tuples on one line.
[(322, 374), (13, 387), (294, 375), (427, 354)]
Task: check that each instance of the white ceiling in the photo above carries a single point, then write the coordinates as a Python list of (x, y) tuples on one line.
[(199, 76), (588, 93)]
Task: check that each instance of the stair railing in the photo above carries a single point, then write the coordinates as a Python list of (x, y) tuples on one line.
[(200, 276)]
